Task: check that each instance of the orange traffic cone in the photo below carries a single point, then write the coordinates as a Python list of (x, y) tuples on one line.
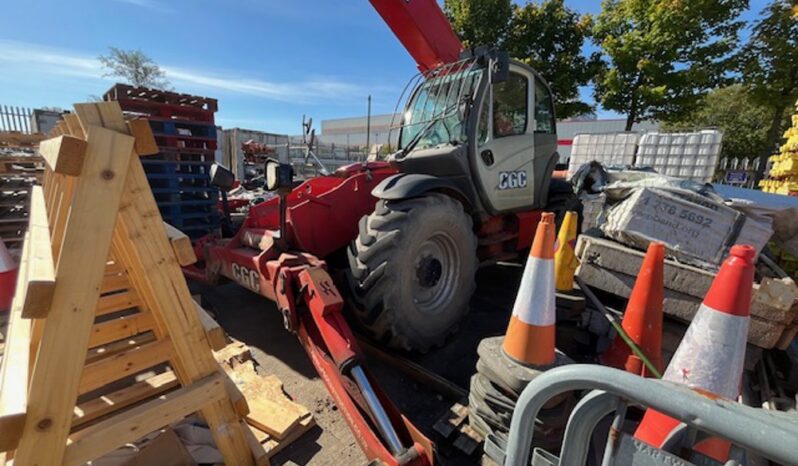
[(711, 355), (8, 278), (642, 320), (530, 336)]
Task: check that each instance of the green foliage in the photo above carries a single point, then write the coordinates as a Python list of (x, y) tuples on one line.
[(663, 55), (479, 22), (546, 35), (134, 67), (732, 110), (769, 65), (549, 37)]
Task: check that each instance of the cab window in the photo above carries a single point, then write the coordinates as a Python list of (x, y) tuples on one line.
[(510, 109), (544, 109)]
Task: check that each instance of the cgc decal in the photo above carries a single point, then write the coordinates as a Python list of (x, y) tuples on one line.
[(512, 180)]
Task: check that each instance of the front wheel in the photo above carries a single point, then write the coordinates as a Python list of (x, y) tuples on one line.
[(412, 270)]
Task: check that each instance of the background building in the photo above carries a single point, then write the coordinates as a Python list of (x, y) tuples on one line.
[(352, 131)]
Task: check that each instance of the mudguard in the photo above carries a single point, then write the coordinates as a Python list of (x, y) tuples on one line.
[(407, 185)]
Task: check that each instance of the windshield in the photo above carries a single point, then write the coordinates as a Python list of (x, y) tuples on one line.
[(435, 113)]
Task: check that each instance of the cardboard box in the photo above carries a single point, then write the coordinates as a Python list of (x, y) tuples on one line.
[(694, 229)]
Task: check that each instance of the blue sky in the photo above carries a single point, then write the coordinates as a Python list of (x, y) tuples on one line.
[(267, 61)]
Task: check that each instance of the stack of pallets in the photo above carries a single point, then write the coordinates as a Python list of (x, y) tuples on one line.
[(184, 128), (20, 168)]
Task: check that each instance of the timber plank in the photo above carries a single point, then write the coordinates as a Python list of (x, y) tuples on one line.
[(105, 371), (181, 244), (106, 351), (213, 330), (79, 271), (64, 154), (40, 275), (145, 141), (124, 397), (15, 365), (117, 302), (114, 282), (270, 409), (106, 436), (122, 327)]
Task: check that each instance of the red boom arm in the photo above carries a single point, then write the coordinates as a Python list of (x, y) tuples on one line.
[(423, 29)]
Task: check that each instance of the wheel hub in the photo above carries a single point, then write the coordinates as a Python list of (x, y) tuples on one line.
[(429, 271), (437, 272)]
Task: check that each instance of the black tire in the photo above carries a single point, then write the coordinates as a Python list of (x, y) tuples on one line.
[(412, 270)]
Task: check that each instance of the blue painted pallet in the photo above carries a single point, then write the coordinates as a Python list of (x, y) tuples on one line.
[(183, 128)]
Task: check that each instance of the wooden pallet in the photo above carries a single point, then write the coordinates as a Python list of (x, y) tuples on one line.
[(454, 427), (274, 419), (101, 301)]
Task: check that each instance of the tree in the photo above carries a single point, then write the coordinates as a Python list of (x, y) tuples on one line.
[(662, 56), (770, 66), (737, 114), (135, 67), (549, 37), (479, 22)]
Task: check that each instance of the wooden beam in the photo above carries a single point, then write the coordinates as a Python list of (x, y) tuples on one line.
[(106, 351), (106, 436), (214, 332), (114, 282), (15, 368), (258, 452), (74, 128), (124, 397), (181, 244), (105, 371), (117, 302), (64, 154), (38, 295), (145, 141), (79, 272), (119, 328)]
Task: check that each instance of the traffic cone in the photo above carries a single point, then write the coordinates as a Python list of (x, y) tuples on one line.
[(711, 355), (642, 320), (530, 336), (8, 278), (565, 261)]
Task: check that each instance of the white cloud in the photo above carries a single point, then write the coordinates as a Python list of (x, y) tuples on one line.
[(29, 58)]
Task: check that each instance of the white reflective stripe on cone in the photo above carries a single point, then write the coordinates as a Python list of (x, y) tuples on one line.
[(535, 302), (711, 354)]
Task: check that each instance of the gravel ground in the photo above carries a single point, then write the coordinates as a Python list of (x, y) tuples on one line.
[(255, 321)]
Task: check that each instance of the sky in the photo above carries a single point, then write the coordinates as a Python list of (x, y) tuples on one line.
[(268, 62)]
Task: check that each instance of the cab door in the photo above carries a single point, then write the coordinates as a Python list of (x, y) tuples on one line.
[(513, 141)]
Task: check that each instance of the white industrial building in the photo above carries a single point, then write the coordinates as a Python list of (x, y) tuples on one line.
[(352, 131)]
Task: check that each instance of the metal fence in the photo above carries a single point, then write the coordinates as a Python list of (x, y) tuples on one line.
[(15, 119)]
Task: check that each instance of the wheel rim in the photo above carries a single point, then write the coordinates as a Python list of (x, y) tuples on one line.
[(437, 272)]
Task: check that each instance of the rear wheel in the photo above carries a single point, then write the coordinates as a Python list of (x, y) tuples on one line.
[(412, 270)]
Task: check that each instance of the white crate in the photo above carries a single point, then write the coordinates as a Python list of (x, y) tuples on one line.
[(610, 149), (685, 155)]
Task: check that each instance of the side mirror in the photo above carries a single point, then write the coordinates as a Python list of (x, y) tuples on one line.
[(500, 67), (221, 177), (279, 176)]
